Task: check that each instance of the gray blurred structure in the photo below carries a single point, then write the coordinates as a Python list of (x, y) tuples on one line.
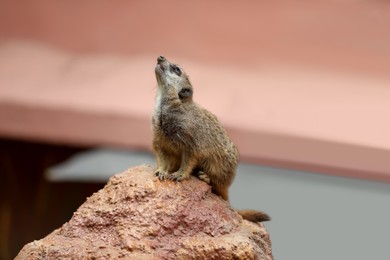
[(97, 165)]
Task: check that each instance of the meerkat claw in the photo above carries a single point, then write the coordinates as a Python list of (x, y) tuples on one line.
[(161, 175), (176, 176)]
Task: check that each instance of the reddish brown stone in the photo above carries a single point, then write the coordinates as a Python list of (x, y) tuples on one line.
[(139, 217)]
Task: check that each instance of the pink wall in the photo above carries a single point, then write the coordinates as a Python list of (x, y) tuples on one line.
[(298, 85)]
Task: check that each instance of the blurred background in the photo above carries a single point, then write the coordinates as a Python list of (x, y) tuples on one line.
[(302, 87)]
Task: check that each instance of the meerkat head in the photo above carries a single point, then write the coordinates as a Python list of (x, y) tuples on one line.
[(170, 76)]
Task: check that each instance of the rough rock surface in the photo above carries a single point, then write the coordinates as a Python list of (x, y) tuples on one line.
[(136, 216)]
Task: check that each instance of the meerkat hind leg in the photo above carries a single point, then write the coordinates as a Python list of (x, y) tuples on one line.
[(203, 177), (222, 191)]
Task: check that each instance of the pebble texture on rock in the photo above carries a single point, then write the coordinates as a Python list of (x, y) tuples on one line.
[(136, 216)]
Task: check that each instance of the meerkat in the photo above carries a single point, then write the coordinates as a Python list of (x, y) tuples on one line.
[(189, 140)]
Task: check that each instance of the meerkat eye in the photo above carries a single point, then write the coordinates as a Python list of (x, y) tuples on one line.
[(185, 93), (175, 69)]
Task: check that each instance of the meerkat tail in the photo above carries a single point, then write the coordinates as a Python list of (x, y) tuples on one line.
[(254, 216)]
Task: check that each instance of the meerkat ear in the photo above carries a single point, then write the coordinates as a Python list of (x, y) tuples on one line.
[(185, 93)]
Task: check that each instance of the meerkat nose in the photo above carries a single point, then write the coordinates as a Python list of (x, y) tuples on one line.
[(160, 59)]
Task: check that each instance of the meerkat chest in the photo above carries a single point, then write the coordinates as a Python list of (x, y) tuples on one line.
[(157, 117), (163, 120)]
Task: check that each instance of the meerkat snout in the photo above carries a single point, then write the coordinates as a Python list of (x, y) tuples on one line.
[(160, 58)]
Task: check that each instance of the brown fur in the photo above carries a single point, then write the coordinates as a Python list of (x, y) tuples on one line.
[(188, 139)]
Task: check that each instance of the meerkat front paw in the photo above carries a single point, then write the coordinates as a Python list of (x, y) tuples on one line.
[(178, 176), (162, 175)]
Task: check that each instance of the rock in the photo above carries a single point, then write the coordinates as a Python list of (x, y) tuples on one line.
[(136, 216)]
